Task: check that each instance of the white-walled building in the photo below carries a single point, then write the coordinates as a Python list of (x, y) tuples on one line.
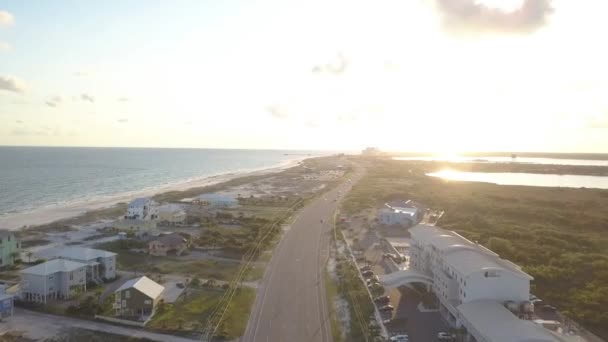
[(142, 209), (172, 214), (399, 213), (55, 279), (101, 265), (473, 284)]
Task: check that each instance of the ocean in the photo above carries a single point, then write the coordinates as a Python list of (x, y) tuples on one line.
[(32, 178)]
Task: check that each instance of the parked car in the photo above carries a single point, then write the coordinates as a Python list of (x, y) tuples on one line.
[(399, 338), (368, 274), (387, 321), (372, 281), (444, 336), (366, 268), (382, 300), (548, 308), (180, 285), (387, 307)]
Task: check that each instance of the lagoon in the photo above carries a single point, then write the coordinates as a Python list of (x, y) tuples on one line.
[(527, 179)]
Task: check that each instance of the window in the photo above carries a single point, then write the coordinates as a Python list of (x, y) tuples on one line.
[(71, 275), (147, 301), (127, 294)]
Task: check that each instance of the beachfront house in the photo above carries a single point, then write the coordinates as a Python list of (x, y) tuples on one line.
[(101, 265), (171, 214), (10, 248), (54, 279), (218, 200), (6, 302), (168, 244), (142, 208), (137, 297)]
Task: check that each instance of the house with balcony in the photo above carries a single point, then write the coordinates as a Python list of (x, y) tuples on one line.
[(173, 243), (142, 208), (101, 265), (54, 279)]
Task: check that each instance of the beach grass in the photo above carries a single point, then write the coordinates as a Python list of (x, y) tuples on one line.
[(190, 313)]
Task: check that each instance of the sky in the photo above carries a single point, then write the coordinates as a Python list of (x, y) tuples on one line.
[(443, 76)]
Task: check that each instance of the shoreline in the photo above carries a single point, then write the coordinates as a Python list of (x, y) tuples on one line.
[(53, 213)]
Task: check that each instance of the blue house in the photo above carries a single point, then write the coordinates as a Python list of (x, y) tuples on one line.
[(6, 303)]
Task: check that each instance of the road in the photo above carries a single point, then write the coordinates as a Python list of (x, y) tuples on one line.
[(291, 303), (40, 326)]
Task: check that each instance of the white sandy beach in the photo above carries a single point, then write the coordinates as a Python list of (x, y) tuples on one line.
[(53, 213)]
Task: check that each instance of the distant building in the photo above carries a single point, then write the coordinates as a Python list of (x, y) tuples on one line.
[(219, 200), (371, 151), (10, 248), (137, 297), (55, 279), (101, 265), (400, 213), (168, 244), (6, 302), (141, 209), (171, 214)]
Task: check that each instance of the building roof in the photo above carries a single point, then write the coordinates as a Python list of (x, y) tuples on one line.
[(144, 285), (53, 266), (139, 202), (76, 253), (496, 323), (463, 255), (172, 239)]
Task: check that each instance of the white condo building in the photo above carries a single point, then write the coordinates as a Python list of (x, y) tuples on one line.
[(474, 286)]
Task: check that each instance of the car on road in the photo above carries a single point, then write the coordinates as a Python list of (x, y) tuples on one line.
[(444, 336), (382, 300), (180, 285), (368, 274), (387, 307), (399, 338)]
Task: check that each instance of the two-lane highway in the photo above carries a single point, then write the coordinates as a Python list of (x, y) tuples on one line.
[(291, 303)]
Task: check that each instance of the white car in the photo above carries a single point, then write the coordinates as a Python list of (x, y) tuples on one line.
[(399, 338), (444, 336)]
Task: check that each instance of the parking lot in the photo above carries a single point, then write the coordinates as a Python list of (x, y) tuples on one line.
[(420, 326)]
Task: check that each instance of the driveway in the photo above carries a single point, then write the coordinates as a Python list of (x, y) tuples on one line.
[(39, 326)]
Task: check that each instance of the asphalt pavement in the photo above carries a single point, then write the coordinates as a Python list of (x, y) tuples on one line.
[(291, 302)]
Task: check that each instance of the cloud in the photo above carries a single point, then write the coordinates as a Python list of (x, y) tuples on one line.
[(13, 84), (86, 97), (336, 67), (599, 122), (312, 124), (23, 132), (277, 112), (123, 120), (6, 19), (474, 16), (5, 47), (123, 99), (54, 101)]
